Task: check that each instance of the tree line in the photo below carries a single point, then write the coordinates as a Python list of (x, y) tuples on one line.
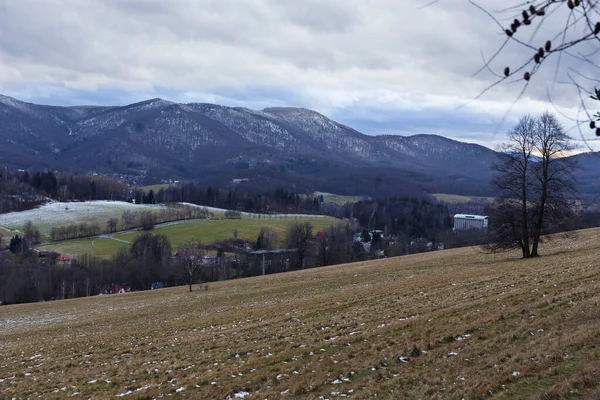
[(22, 190), (236, 198), (145, 219)]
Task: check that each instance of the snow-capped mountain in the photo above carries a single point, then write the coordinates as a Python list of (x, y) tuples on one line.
[(213, 143)]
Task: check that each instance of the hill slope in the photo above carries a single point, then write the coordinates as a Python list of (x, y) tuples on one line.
[(273, 147), (448, 324)]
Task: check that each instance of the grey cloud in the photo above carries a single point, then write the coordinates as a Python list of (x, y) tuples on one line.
[(330, 54)]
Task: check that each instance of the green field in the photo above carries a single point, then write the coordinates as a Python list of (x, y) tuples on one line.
[(99, 247), (458, 199), (156, 188), (207, 231), (210, 231), (448, 324)]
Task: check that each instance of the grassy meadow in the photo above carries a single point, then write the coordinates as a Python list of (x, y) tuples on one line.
[(450, 324), (156, 188), (210, 231), (338, 198), (207, 231), (99, 247)]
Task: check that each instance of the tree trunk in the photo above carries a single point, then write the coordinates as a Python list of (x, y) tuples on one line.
[(526, 253), (542, 205)]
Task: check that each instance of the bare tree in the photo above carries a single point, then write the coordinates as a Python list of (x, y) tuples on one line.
[(533, 178), (334, 246), (299, 237), (513, 179), (111, 224), (128, 218), (190, 258), (147, 220), (554, 175), (267, 239), (571, 29), (31, 233)]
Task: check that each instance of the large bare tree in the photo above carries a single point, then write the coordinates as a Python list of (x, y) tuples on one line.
[(554, 177), (299, 237), (533, 178), (513, 179)]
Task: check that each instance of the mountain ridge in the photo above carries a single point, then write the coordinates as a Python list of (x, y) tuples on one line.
[(277, 146)]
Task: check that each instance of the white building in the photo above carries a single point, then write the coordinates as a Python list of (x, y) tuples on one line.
[(463, 222)]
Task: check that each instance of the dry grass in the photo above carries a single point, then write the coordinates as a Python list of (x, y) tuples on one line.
[(450, 324)]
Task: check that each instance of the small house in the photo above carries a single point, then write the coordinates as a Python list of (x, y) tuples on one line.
[(64, 260)]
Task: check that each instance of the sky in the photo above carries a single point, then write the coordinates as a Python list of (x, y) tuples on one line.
[(379, 66)]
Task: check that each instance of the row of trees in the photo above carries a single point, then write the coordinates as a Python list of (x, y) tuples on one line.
[(236, 198), (129, 219), (72, 231), (62, 186)]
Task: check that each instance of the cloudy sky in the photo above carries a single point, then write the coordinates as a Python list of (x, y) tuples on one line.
[(380, 66)]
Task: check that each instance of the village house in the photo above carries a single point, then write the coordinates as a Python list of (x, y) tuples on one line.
[(63, 260)]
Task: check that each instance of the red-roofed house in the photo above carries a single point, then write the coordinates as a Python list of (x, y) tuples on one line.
[(64, 260)]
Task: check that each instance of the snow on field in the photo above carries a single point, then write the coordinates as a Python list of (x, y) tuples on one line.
[(215, 209), (63, 213), (66, 213)]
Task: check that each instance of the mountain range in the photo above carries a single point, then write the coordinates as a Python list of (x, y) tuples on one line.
[(216, 145)]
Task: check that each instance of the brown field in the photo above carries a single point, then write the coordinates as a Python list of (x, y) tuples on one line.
[(449, 324)]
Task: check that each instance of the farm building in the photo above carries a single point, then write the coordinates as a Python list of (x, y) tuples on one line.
[(463, 222), (63, 260)]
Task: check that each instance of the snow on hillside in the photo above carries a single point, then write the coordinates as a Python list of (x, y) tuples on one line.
[(61, 213), (14, 103)]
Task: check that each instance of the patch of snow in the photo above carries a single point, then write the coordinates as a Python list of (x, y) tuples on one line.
[(63, 213)]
